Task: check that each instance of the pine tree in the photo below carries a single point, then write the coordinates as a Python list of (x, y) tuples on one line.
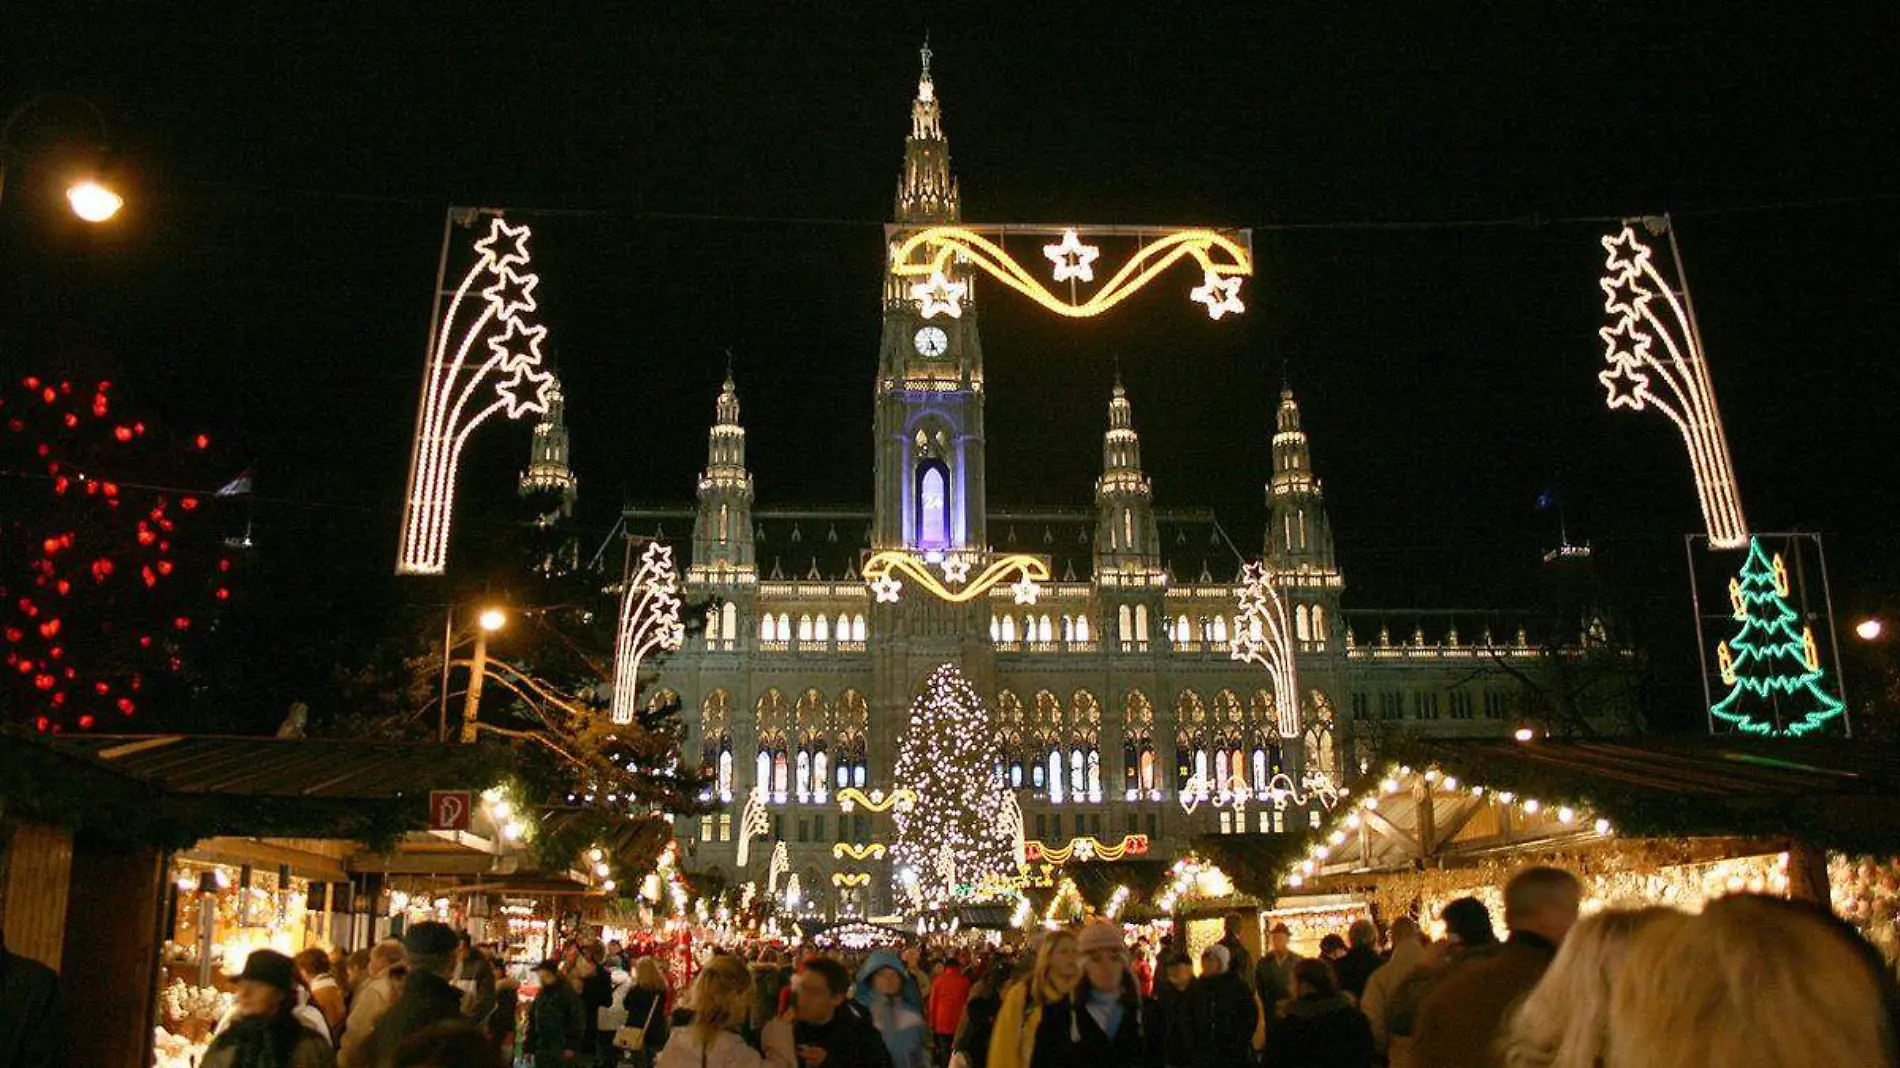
[(950, 840), (1772, 663)]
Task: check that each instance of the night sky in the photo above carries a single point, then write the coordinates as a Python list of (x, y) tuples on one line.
[(703, 178)]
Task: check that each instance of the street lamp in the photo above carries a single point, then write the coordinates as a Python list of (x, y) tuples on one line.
[(1869, 629), (493, 619), (89, 196), (489, 621)]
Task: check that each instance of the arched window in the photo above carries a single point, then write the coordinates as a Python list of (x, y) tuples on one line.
[(1221, 772), (1220, 629), (1016, 774), (725, 524), (857, 773), (1141, 623), (821, 629), (1068, 629), (1038, 775), (1148, 768), (1126, 618), (781, 772), (996, 629), (784, 627), (1181, 630), (1319, 625), (1081, 628), (933, 505), (1078, 773), (768, 629), (1095, 774), (712, 626), (1044, 632), (1128, 529), (729, 620), (1009, 628), (804, 775), (764, 770), (1302, 625), (725, 771), (1055, 775), (1200, 767), (1260, 776), (804, 629), (844, 774)]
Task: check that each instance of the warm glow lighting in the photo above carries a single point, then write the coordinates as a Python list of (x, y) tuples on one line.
[(453, 382), (1868, 630), (881, 571), (649, 619), (493, 619), (1524, 734), (929, 253), (1675, 383), (94, 202)]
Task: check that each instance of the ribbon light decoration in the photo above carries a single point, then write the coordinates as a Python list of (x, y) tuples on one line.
[(1677, 383), (649, 619), (462, 388), (929, 257)]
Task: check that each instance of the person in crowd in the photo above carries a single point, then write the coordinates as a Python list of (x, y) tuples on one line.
[(1101, 1024), (1460, 1023), (1361, 959), (341, 972), (720, 1000), (1143, 962), (645, 1002), (29, 996), (1239, 959), (970, 1048), (1565, 1019), (949, 994), (1322, 1027), (825, 1026), (1170, 1015), (1227, 1017), (769, 979), (1468, 938), (1751, 982), (1408, 949), (1054, 977), (557, 1031), (918, 968), (267, 1032), (359, 973), (888, 991), (616, 957), (1273, 976), (449, 1044), (1331, 948), (597, 993), (430, 950), (373, 997), (313, 967), (476, 980)]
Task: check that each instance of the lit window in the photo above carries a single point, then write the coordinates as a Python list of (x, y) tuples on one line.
[(933, 506), (821, 629)]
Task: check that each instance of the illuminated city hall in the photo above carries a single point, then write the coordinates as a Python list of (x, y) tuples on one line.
[(1115, 694)]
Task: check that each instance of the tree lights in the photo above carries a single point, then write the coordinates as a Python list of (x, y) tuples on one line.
[(1772, 665), (881, 573), (1225, 258), (1655, 361), (462, 388), (950, 842), (649, 619)]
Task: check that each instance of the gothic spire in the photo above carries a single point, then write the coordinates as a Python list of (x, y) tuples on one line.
[(722, 531), (926, 192), (1126, 541)]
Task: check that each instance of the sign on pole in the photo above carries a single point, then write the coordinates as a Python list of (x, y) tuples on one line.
[(449, 810)]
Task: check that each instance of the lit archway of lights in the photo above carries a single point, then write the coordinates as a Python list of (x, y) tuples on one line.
[(932, 257), (1675, 383), (649, 620), (462, 387), (881, 573), (1265, 637)]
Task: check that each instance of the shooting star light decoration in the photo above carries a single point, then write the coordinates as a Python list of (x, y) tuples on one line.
[(463, 385), (649, 620), (1265, 637), (1676, 382)]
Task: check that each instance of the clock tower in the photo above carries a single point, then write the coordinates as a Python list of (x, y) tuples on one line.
[(929, 405)]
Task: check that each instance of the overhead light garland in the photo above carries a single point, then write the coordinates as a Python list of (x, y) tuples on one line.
[(1772, 665), (930, 254), (858, 851), (462, 387), (1674, 382), (649, 620), (850, 798), (1087, 848), (949, 844), (881, 573)]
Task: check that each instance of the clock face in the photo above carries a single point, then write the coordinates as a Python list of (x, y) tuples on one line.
[(931, 342)]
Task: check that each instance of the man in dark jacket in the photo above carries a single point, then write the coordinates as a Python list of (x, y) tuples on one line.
[(427, 995), (1239, 958), (1360, 961), (557, 1024), (28, 992), (1170, 1009), (826, 1026), (1322, 1027), (972, 1039), (1225, 1014)]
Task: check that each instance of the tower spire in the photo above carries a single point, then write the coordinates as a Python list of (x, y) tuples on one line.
[(1126, 541), (926, 192), (722, 531), (1299, 541), (548, 467)]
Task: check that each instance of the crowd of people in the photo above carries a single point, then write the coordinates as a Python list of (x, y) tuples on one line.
[(1749, 981)]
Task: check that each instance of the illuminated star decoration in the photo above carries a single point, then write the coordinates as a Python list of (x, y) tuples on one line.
[(886, 589), (956, 571), (1655, 361), (1221, 295), (1262, 635), (1025, 591), (1072, 258), (889, 563), (462, 389), (649, 620), (940, 295)]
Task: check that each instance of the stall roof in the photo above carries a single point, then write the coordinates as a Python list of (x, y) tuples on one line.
[(276, 767)]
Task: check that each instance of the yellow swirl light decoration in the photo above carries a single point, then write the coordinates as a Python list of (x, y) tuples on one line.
[(1087, 848), (929, 253), (851, 797), (870, 851), (845, 878), (881, 572)]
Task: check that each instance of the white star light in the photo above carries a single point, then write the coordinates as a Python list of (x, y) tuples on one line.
[(1026, 591), (1627, 255), (956, 572), (504, 245), (1072, 258), (1221, 295), (940, 294), (885, 589)]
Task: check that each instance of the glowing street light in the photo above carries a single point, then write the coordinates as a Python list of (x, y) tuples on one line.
[(93, 202), (90, 198), (489, 621), (493, 619), (1524, 734), (1869, 629)]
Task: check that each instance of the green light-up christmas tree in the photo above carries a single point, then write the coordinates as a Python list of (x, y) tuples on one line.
[(1772, 663), (952, 839)]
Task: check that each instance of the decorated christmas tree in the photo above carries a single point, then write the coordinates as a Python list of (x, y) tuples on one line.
[(1772, 664), (950, 840)]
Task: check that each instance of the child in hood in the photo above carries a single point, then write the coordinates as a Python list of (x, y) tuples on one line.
[(889, 994)]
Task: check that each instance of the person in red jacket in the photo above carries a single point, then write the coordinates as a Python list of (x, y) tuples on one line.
[(949, 992)]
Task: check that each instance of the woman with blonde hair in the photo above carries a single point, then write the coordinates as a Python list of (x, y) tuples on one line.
[(1564, 1022), (721, 1001), (1752, 982), (1058, 971), (645, 1003)]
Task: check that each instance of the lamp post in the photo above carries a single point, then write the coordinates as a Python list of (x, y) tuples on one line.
[(490, 621), (89, 196)]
